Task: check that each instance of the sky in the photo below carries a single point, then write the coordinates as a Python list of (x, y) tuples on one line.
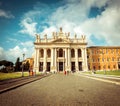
[(20, 20)]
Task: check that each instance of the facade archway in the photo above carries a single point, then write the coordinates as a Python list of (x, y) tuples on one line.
[(79, 53), (48, 53), (41, 53), (72, 53), (60, 52)]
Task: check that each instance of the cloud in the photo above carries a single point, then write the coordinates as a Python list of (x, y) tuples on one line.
[(26, 48), (13, 53), (27, 44), (73, 16), (2, 54), (6, 14), (28, 27)]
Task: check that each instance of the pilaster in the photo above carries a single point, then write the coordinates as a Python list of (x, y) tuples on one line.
[(76, 59), (66, 59), (55, 58), (69, 59), (45, 60)]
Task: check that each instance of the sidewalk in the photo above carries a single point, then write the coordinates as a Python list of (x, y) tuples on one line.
[(111, 78), (10, 84)]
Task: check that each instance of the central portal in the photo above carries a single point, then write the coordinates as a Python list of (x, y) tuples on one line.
[(60, 66)]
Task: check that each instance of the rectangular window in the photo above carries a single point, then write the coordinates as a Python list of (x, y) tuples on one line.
[(98, 59), (114, 66)]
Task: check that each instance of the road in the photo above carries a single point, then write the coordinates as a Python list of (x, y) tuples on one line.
[(61, 90)]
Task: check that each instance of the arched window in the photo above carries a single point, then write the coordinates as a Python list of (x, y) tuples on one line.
[(60, 52), (72, 53), (48, 53), (41, 53), (79, 53)]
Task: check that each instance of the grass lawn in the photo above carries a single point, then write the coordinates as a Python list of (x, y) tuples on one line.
[(117, 72), (4, 76), (109, 72)]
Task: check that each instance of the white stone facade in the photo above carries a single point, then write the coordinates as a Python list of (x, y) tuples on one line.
[(60, 53)]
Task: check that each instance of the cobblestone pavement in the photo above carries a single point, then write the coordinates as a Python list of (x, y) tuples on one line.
[(10, 84), (61, 90)]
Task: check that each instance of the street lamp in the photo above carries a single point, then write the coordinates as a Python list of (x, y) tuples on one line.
[(23, 65)]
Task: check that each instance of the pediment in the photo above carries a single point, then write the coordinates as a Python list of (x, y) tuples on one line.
[(60, 40)]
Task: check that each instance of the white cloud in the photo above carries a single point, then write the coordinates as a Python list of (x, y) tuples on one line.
[(6, 14), (13, 53), (27, 44), (28, 26), (2, 54), (73, 17)]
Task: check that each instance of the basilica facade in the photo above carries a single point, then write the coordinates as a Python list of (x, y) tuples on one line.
[(60, 53)]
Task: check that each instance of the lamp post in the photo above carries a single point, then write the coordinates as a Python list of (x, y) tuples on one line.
[(23, 65)]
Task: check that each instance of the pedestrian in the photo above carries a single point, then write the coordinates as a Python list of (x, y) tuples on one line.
[(65, 72)]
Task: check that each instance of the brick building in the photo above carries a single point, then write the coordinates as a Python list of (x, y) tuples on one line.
[(103, 57)]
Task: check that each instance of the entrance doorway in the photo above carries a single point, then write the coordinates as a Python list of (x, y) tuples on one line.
[(73, 66), (41, 66), (80, 66), (60, 66), (48, 66)]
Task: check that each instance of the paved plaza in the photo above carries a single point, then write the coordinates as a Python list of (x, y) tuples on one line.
[(61, 90)]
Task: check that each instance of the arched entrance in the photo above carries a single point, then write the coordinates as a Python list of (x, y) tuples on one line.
[(60, 66)]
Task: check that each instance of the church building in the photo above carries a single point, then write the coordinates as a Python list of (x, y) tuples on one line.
[(60, 53)]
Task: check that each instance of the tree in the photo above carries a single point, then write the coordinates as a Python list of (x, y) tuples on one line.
[(6, 63), (27, 66), (6, 66), (17, 64)]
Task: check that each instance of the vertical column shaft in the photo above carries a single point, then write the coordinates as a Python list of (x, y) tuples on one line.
[(66, 59), (45, 60), (37, 70), (85, 58), (69, 59), (55, 62), (35, 60), (76, 59)]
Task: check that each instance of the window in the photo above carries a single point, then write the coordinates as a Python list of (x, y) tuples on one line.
[(72, 53), (114, 66), (79, 52), (41, 53), (99, 67), (48, 53), (94, 68), (61, 52), (98, 59)]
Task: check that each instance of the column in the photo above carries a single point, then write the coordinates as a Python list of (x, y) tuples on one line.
[(69, 59), (35, 61), (85, 58), (76, 59), (37, 58), (63, 60), (66, 59), (55, 58), (52, 60), (45, 60)]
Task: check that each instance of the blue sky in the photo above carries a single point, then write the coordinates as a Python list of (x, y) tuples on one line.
[(20, 20)]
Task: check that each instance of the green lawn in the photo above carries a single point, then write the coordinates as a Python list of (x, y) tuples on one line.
[(4, 76), (117, 72)]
